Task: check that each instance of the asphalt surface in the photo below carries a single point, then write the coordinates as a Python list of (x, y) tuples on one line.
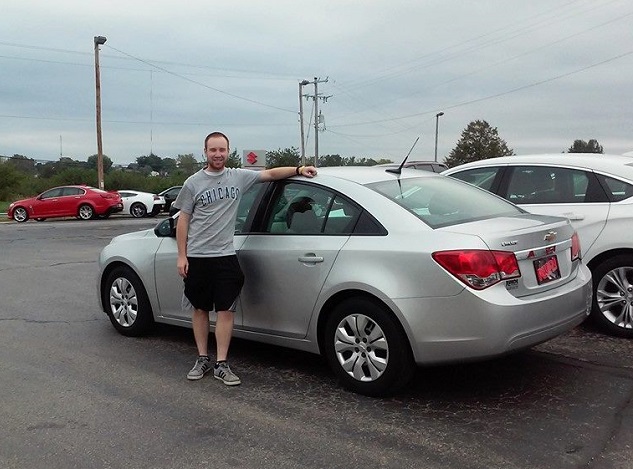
[(76, 394)]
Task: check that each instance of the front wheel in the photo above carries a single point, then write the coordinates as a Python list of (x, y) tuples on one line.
[(612, 308), (126, 303), (86, 212), (367, 348), (20, 214)]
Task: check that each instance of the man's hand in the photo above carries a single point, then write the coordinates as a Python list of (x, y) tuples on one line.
[(183, 266), (308, 171)]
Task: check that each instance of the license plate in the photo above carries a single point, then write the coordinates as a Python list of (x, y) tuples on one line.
[(546, 269)]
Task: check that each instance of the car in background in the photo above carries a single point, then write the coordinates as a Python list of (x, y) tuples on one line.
[(595, 192), (83, 202), (376, 271), (432, 166), (141, 204), (170, 195)]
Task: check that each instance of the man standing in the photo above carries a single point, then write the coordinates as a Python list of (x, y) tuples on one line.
[(208, 203)]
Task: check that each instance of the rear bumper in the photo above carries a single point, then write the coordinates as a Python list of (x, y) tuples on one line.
[(116, 208), (474, 325)]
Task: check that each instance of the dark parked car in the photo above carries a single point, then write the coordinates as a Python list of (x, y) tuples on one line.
[(170, 195), (83, 202)]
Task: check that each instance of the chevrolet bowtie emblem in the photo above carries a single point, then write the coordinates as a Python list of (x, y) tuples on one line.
[(551, 236)]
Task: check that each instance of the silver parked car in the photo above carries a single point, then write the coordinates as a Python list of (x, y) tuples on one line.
[(375, 270), (596, 193)]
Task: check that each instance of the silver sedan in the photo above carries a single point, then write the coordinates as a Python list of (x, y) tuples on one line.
[(377, 271)]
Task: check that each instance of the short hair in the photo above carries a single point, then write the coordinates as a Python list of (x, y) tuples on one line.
[(216, 134)]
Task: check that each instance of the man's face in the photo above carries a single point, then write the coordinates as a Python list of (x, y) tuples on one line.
[(217, 153)]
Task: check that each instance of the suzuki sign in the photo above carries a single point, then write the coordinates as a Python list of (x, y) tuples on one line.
[(254, 159)]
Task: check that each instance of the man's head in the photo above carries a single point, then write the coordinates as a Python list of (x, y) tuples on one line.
[(216, 149)]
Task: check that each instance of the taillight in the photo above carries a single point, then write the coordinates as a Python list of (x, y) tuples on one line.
[(575, 247), (479, 269)]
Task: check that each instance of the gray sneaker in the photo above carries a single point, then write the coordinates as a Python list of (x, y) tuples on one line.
[(223, 372), (202, 366)]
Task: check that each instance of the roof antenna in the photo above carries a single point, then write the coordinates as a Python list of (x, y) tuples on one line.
[(398, 170)]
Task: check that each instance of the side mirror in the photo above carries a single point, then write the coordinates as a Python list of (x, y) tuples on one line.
[(166, 228)]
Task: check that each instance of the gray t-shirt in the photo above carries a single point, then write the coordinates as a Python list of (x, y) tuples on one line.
[(212, 200)]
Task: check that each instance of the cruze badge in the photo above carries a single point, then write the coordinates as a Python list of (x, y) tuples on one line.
[(551, 236), (508, 243)]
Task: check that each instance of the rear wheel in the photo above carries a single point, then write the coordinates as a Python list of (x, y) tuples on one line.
[(126, 302), (367, 348), (86, 212), (612, 308), (138, 210), (20, 214)]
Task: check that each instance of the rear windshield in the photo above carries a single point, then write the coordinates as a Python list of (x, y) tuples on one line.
[(444, 201)]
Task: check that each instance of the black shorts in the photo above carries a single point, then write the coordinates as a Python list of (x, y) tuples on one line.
[(213, 283)]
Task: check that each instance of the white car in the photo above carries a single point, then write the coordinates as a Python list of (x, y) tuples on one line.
[(595, 192), (141, 204)]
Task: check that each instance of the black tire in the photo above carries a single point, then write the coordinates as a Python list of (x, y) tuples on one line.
[(85, 212), (612, 308), (20, 214), (126, 303), (138, 210), (367, 349)]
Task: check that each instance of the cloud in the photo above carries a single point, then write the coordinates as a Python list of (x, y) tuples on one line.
[(543, 73)]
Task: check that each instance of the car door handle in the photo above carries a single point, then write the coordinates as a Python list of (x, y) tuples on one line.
[(574, 216), (311, 259)]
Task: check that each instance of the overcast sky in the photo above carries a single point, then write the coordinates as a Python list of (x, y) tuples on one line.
[(543, 72)]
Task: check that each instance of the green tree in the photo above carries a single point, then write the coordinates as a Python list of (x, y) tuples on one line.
[(152, 161), (479, 141), (23, 164), (169, 165), (331, 160), (74, 175), (188, 163), (93, 160), (286, 157), (234, 161), (10, 181), (580, 146)]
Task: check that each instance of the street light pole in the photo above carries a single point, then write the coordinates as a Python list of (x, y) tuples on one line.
[(437, 125), (303, 143), (99, 40)]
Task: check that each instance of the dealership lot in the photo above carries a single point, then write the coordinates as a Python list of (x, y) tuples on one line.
[(77, 394)]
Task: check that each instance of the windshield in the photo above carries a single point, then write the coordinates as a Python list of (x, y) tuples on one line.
[(443, 201)]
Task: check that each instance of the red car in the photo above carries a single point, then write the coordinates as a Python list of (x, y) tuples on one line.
[(83, 202)]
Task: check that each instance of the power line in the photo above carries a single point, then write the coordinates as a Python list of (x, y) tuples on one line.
[(217, 90), (496, 95)]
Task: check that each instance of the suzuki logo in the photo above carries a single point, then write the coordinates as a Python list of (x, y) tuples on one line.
[(251, 158), (551, 236)]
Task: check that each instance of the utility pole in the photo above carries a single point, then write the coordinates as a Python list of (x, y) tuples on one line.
[(99, 40), (303, 143), (316, 116), (317, 121)]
